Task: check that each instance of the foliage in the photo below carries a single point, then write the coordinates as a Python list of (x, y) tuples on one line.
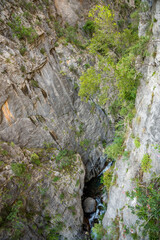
[(146, 163), (28, 6), (98, 231), (147, 207), (81, 130), (4, 152), (107, 178), (116, 50), (137, 142), (85, 143), (90, 80), (55, 228), (42, 50), (61, 196), (116, 149), (18, 169), (23, 69), (22, 51), (65, 159), (35, 159), (22, 32), (89, 27), (56, 178), (157, 147), (54, 231), (34, 83), (15, 220), (68, 32)]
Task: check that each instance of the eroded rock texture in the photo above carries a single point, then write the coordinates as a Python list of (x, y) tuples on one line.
[(38, 89), (40, 199), (145, 127)]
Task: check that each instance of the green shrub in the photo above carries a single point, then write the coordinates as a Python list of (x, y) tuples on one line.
[(35, 159), (137, 142), (147, 207), (98, 232), (85, 143), (1, 163), (15, 221), (42, 50), (28, 6), (69, 32), (73, 69), (107, 178), (126, 155), (4, 152), (59, 30), (34, 83), (23, 69), (114, 70), (23, 51), (56, 178), (12, 144), (80, 132), (18, 169), (61, 196), (146, 163), (22, 32), (27, 15), (116, 149), (89, 27), (65, 159)]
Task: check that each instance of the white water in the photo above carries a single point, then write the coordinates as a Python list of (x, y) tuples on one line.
[(106, 168), (100, 209)]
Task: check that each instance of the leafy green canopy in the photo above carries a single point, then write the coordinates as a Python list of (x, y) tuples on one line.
[(147, 207), (116, 50)]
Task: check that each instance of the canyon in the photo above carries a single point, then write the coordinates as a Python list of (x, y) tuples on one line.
[(52, 143)]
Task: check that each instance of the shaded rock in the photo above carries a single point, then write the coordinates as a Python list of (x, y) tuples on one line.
[(89, 205)]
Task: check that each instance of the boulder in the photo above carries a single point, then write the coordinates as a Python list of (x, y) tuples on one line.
[(89, 205)]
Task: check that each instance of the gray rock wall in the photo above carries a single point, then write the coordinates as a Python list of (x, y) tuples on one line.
[(145, 126), (38, 91)]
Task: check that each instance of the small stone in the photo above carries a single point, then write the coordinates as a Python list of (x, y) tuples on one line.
[(89, 205)]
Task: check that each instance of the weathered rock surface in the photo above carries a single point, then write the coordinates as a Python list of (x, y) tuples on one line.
[(145, 126), (89, 205), (72, 11), (38, 91), (39, 199)]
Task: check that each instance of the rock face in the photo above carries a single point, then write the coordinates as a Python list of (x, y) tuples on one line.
[(89, 205), (72, 11), (145, 126), (39, 199), (39, 81)]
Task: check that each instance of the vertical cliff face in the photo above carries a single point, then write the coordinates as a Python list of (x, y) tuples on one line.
[(145, 128), (42, 56), (39, 81)]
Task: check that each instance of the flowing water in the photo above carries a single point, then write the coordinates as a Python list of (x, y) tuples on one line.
[(94, 189)]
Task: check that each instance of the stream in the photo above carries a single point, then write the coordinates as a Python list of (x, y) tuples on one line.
[(94, 189)]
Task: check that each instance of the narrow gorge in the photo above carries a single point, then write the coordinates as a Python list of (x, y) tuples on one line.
[(76, 149)]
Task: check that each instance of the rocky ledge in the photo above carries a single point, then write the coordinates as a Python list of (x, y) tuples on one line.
[(40, 194)]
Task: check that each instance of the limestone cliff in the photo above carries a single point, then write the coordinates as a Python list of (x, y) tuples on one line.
[(38, 89), (42, 55), (145, 128)]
